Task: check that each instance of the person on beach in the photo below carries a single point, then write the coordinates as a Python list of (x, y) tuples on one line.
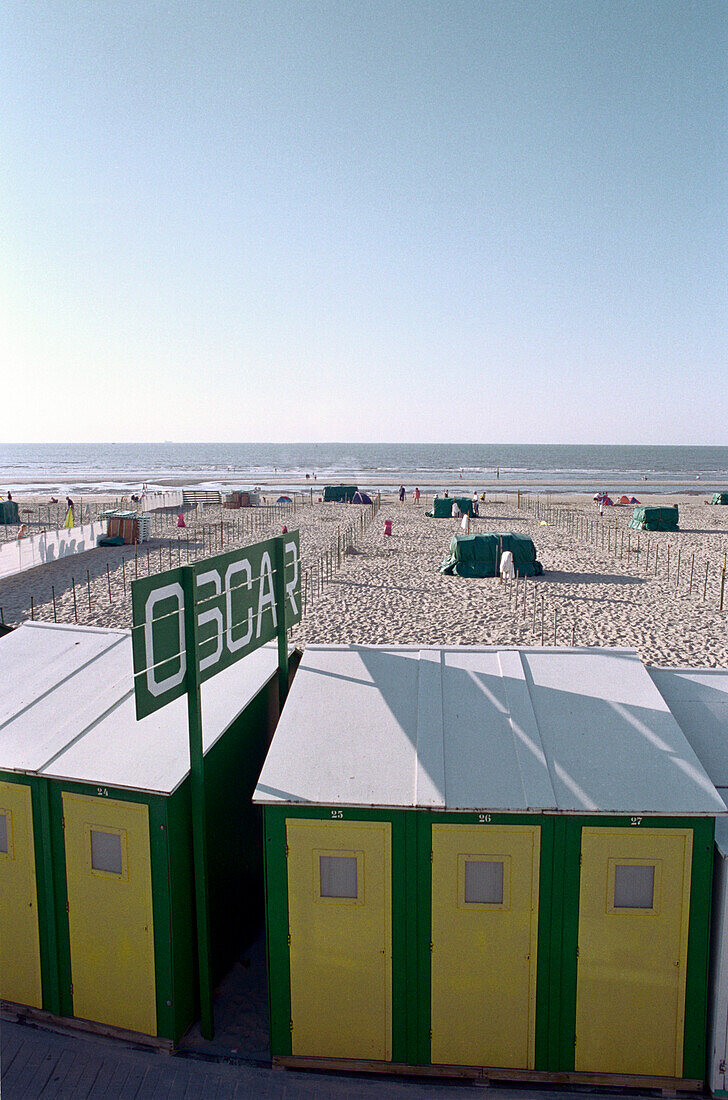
[(401, 494), (475, 503), (446, 493), (416, 495)]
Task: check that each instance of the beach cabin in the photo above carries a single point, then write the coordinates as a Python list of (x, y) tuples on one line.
[(131, 527), (341, 494), (698, 697), (442, 507), (480, 555), (655, 519), (487, 862), (719, 498), (9, 513), (96, 875)]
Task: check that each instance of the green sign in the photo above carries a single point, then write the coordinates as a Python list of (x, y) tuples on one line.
[(237, 607)]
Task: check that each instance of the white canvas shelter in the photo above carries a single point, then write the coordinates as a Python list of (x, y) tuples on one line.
[(698, 697), (67, 709), (470, 728)]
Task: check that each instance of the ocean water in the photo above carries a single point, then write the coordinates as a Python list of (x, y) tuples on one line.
[(83, 467)]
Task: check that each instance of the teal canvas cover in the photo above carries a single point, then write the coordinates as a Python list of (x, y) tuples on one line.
[(479, 555), (339, 493), (9, 512), (655, 519), (720, 498), (442, 506)]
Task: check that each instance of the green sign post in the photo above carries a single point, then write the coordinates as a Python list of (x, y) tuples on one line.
[(189, 624)]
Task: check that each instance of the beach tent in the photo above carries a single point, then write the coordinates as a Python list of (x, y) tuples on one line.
[(720, 498), (97, 907), (633, 500), (9, 512), (624, 500), (655, 519), (479, 555), (491, 870), (361, 498), (284, 500), (442, 507), (341, 494)]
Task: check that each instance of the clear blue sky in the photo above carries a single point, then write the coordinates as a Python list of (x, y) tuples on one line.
[(403, 220)]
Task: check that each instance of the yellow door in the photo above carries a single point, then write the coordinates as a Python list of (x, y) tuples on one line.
[(110, 912), (634, 903), (484, 936), (19, 940), (340, 933)]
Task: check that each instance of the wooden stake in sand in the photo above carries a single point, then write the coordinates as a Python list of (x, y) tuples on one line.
[(692, 566), (75, 608), (53, 596), (705, 585)]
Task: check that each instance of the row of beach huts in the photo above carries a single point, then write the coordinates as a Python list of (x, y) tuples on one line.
[(496, 862)]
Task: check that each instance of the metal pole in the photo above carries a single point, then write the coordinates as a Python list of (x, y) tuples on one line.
[(199, 818)]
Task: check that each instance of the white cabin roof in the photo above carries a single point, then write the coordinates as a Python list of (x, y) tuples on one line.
[(471, 728), (67, 709), (698, 697)]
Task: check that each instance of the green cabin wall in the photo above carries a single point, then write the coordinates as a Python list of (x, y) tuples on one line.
[(235, 868), (557, 931)]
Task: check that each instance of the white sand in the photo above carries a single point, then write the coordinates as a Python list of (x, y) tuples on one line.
[(390, 590)]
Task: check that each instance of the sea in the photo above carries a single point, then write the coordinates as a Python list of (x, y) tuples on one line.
[(122, 467)]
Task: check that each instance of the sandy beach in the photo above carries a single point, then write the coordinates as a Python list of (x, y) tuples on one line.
[(389, 590)]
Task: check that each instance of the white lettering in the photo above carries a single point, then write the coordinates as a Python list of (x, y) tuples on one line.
[(213, 615), (243, 566), (154, 686), (266, 599), (291, 586)]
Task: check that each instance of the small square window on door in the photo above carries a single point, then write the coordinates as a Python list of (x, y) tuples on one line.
[(484, 880), (6, 834), (633, 886), (106, 852), (338, 876)]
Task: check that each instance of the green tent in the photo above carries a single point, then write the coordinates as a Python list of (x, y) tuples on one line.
[(720, 498), (442, 506), (342, 494), (655, 519), (479, 555), (9, 512)]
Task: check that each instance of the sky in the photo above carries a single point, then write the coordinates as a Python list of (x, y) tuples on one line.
[(364, 220)]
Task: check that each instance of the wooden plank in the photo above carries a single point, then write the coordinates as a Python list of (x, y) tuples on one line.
[(70, 1025), (487, 1073)]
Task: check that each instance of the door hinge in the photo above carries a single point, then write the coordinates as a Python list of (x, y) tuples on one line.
[(63, 822), (430, 1032), (721, 1066), (577, 952), (71, 988), (431, 946), (580, 859), (290, 1025), (431, 856), (289, 939), (286, 851)]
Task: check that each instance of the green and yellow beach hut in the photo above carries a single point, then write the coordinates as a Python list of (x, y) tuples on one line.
[(96, 872), (487, 862)]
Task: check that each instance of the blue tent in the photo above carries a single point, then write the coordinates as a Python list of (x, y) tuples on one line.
[(284, 500), (361, 498)]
